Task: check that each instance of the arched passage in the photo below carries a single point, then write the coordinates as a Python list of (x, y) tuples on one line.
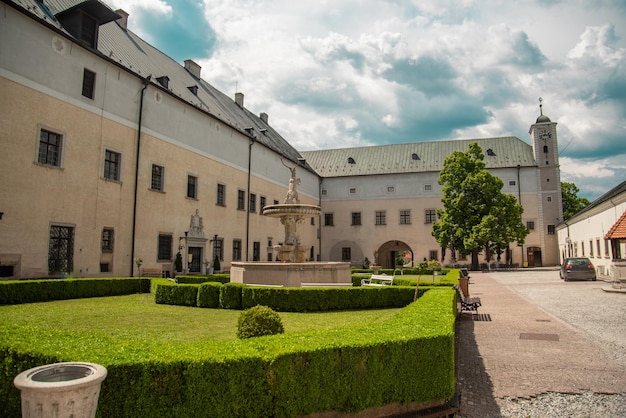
[(388, 252)]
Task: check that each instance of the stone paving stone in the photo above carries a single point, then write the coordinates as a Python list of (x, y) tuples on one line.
[(495, 365)]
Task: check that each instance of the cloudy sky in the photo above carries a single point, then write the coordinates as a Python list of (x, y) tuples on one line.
[(343, 73)]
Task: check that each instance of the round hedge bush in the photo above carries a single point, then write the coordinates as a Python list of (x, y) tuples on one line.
[(257, 321)]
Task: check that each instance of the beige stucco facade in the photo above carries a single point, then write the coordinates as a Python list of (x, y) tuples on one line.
[(152, 160)]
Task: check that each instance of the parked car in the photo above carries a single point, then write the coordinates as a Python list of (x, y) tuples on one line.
[(578, 268)]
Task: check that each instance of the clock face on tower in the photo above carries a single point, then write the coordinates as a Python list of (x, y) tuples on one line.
[(544, 134)]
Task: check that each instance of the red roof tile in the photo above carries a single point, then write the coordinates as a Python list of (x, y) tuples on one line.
[(618, 231)]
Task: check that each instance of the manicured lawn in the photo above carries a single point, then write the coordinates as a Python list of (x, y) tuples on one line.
[(138, 318)]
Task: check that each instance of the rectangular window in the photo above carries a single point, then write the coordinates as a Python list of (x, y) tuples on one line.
[(551, 229), (276, 202), (428, 187), (598, 248), (530, 225), (391, 189), (549, 199), (218, 249), (89, 83), (156, 182), (405, 217), (430, 216), (512, 183), (165, 247), (433, 255), (328, 219), (50, 148), (380, 217), (237, 250), (241, 200), (221, 195), (105, 268), (312, 221), (112, 165), (346, 254), (324, 192), (582, 247), (107, 240), (192, 187), (61, 249), (356, 218), (262, 203), (252, 204), (352, 190), (256, 251), (607, 254)]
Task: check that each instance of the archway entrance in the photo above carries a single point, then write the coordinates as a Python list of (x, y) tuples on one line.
[(391, 251)]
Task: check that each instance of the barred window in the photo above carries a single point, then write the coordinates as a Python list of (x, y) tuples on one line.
[(165, 247), (530, 225), (346, 254), (157, 178), (192, 187), (381, 217), (262, 203), (237, 250), (430, 216), (107, 240), (328, 219), (356, 218), (551, 229), (252, 204)]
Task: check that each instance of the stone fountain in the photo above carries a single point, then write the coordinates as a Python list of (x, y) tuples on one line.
[(291, 269)]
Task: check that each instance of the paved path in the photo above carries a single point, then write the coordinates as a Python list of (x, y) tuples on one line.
[(516, 348)]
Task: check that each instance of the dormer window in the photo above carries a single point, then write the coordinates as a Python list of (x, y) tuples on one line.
[(415, 157), (491, 153), (193, 89), (83, 20), (351, 160), (164, 81)]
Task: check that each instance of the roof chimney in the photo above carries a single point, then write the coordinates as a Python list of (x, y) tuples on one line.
[(193, 68), (264, 117), (123, 20), (239, 99)]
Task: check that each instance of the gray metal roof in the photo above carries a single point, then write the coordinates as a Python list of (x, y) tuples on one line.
[(128, 50), (398, 158)]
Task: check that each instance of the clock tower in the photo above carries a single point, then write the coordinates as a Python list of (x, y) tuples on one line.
[(545, 148)]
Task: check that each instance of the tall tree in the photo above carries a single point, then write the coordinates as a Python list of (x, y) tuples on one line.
[(571, 202), (476, 215)]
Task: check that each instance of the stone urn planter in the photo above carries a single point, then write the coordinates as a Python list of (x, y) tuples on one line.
[(61, 390)]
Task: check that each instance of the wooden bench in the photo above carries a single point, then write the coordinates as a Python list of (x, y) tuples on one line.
[(378, 280), (326, 284), (151, 272), (467, 303)]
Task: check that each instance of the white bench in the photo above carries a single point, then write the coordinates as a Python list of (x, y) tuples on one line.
[(378, 280), (326, 284)]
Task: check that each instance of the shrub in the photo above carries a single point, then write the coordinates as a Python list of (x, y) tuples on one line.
[(230, 295), (209, 295), (258, 321), (176, 294)]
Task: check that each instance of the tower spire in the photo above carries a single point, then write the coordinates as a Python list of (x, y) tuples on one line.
[(541, 106)]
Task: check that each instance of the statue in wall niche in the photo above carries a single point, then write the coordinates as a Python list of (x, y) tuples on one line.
[(292, 193), (195, 226)]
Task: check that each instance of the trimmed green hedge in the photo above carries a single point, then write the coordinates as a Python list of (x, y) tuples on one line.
[(176, 294), (198, 279), (209, 295), (14, 292), (407, 359)]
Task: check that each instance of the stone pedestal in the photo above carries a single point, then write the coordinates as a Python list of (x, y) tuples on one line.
[(61, 390)]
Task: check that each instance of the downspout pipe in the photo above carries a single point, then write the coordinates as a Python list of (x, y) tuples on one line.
[(248, 194), (146, 83)]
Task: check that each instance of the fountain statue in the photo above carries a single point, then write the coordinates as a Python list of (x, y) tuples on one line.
[(292, 268), (291, 213)]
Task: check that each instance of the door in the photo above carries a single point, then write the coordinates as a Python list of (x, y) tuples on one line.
[(196, 259)]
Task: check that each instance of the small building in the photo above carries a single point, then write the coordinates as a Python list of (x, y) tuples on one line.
[(598, 232)]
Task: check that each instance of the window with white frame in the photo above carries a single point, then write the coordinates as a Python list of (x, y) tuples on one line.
[(157, 180), (50, 148)]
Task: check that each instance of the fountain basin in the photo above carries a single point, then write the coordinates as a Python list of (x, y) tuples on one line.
[(293, 209), (290, 274)]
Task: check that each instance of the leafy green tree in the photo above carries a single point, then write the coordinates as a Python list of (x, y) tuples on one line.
[(476, 215), (571, 202)]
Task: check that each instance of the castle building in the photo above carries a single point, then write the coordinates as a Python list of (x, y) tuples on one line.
[(114, 158)]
